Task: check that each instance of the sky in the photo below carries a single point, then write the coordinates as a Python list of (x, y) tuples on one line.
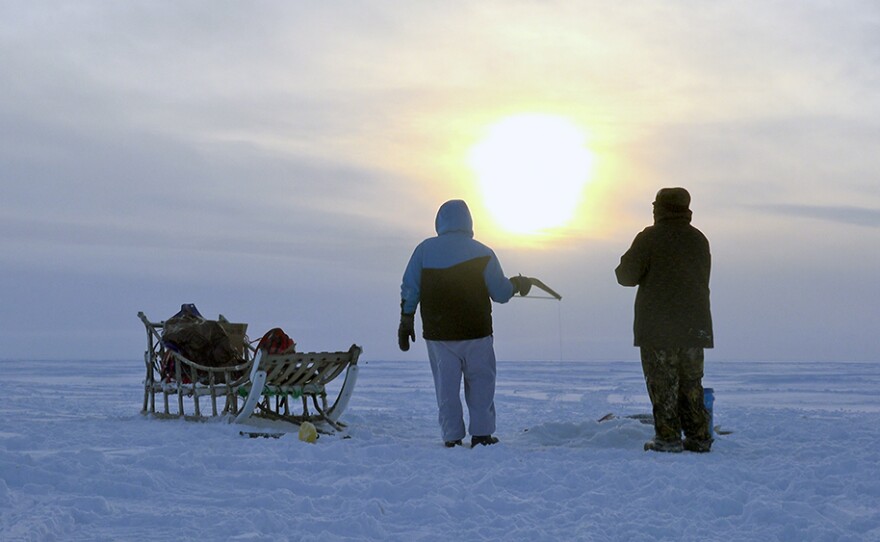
[(277, 162)]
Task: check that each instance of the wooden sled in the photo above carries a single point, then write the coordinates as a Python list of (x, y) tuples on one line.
[(262, 385)]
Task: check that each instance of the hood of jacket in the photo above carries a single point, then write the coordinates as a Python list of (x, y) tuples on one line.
[(454, 216), (663, 214)]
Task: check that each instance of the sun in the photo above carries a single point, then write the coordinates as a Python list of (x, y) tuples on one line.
[(532, 170)]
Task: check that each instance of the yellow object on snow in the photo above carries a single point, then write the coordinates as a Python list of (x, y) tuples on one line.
[(308, 432)]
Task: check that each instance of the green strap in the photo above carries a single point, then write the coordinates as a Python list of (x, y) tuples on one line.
[(273, 391)]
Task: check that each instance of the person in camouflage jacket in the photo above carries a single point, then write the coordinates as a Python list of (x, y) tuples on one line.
[(670, 263)]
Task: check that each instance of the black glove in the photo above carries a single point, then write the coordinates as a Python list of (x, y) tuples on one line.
[(521, 285), (406, 331)]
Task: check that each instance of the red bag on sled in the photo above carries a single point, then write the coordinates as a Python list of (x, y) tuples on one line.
[(276, 341)]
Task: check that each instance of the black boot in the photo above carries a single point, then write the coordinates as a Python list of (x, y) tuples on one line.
[(452, 443), (698, 446), (485, 440), (656, 445)]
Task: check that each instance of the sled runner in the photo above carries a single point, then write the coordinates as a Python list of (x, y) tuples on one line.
[(252, 383)]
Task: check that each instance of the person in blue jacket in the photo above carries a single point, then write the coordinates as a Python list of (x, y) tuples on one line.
[(454, 278)]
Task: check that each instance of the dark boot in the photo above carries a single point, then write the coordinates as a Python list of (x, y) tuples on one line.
[(452, 443), (485, 440), (698, 446), (656, 445)]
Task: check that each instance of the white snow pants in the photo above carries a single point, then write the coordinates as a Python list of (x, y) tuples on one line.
[(475, 360)]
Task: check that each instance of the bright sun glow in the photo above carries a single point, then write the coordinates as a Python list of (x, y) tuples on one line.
[(532, 169)]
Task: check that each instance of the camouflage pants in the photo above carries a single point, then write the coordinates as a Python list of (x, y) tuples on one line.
[(674, 380)]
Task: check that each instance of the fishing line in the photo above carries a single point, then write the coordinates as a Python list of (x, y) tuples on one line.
[(558, 316), (553, 295), (559, 319)]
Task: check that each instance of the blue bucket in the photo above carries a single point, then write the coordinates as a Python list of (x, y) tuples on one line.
[(709, 401)]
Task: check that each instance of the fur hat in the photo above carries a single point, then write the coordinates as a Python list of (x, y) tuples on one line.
[(673, 199)]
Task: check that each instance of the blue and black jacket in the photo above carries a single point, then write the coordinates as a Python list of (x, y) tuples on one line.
[(454, 277)]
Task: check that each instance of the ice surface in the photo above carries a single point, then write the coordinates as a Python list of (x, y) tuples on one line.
[(79, 462)]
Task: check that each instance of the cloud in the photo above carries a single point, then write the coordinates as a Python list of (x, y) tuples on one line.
[(841, 214)]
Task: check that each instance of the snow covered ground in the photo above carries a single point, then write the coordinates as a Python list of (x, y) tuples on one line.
[(79, 462)]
